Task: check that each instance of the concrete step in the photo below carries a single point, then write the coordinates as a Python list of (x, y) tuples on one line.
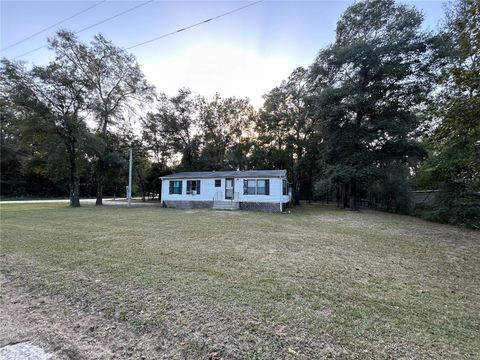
[(226, 205)]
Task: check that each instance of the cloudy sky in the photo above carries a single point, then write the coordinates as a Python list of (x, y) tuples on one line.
[(243, 54)]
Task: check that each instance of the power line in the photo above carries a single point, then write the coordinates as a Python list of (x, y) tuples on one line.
[(114, 16), (29, 52), (194, 25), (91, 26), (52, 26)]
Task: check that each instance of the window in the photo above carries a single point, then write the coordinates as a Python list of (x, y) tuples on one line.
[(267, 186), (218, 183), (261, 187), (175, 187), (285, 187), (256, 187), (249, 187), (193, 187)]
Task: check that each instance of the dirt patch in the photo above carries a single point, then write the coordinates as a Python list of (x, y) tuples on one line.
[(42, 323)]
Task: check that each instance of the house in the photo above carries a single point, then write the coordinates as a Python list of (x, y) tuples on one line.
[(263, 190)]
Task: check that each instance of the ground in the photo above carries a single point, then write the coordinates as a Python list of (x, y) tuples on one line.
[(113, 282)]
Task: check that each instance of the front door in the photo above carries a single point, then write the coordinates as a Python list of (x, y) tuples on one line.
[(229, 188)]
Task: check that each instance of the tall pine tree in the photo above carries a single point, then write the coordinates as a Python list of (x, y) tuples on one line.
[(369, 86)]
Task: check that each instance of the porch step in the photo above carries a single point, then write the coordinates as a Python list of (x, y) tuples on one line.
[(226, 205)]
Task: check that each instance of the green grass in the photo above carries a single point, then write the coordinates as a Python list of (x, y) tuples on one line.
[(320, 281)]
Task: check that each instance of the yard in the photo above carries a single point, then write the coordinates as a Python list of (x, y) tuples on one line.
[(198, 284)]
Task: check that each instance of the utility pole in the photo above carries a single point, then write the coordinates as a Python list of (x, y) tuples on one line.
[(129, 192)]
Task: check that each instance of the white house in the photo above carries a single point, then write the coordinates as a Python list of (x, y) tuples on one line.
[(264, 190)]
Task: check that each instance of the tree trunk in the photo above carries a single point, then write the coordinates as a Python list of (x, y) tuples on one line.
[(100, 171), (101, 164), (75, 194), (296, 192), (338, 195), (353, 194), (143, 190), (296, 173), (311, 197), (345, 195), (74, 179)]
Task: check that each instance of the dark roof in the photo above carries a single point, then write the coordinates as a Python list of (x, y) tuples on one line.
[(225, 174)]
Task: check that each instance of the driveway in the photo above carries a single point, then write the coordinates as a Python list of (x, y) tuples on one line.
[(109, 201), (56, 201)]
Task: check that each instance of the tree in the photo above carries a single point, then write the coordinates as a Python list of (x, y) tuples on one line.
[(116, 81), (176, 120), (454, 162), (370, 86), (155, 139), (51, 99), (12, 179), (285, 125), (240, 153), (225, 125)]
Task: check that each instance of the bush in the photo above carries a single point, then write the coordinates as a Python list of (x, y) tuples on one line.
[(452, 208)]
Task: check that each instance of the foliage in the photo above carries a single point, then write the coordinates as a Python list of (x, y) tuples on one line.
[(176, 120), (201, 134), (454, 146), (115, 81), (284, 127), (371, 84), (225, 124), (50, 100), (355, 126)]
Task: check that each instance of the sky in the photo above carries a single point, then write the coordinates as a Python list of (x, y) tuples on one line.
[(244, 54)]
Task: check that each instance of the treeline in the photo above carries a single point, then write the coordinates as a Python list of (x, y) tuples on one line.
[(386, 108)]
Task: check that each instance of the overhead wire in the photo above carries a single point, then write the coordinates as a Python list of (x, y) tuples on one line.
[(194, 25), (52, 26), (92, 25), (157, 37)]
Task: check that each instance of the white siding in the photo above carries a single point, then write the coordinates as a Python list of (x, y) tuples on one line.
[(275, 192), (208, 191)]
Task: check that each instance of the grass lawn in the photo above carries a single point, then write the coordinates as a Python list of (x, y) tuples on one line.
[(316, 283)]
